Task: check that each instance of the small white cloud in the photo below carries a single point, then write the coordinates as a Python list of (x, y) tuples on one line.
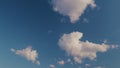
[(13, 50), (72, 8), (38, 62), (52, 66), (98, 67), (78, 60), (73, 46), (27, 53), (114, 46), (87, 65), (62, 62), (68, 60)]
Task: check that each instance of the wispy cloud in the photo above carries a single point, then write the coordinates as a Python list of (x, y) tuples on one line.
[(27, 53)]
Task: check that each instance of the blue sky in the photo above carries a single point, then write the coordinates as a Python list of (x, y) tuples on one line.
[(34, 23)]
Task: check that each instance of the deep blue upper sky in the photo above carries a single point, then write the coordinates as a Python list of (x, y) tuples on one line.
[(34, 23)]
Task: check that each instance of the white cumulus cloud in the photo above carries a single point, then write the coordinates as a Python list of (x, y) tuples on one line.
[(80, 50), (72, 8), (28, 53)]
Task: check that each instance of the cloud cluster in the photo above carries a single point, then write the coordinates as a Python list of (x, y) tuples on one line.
[(28, 53), (73, 46), (72, 8)]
